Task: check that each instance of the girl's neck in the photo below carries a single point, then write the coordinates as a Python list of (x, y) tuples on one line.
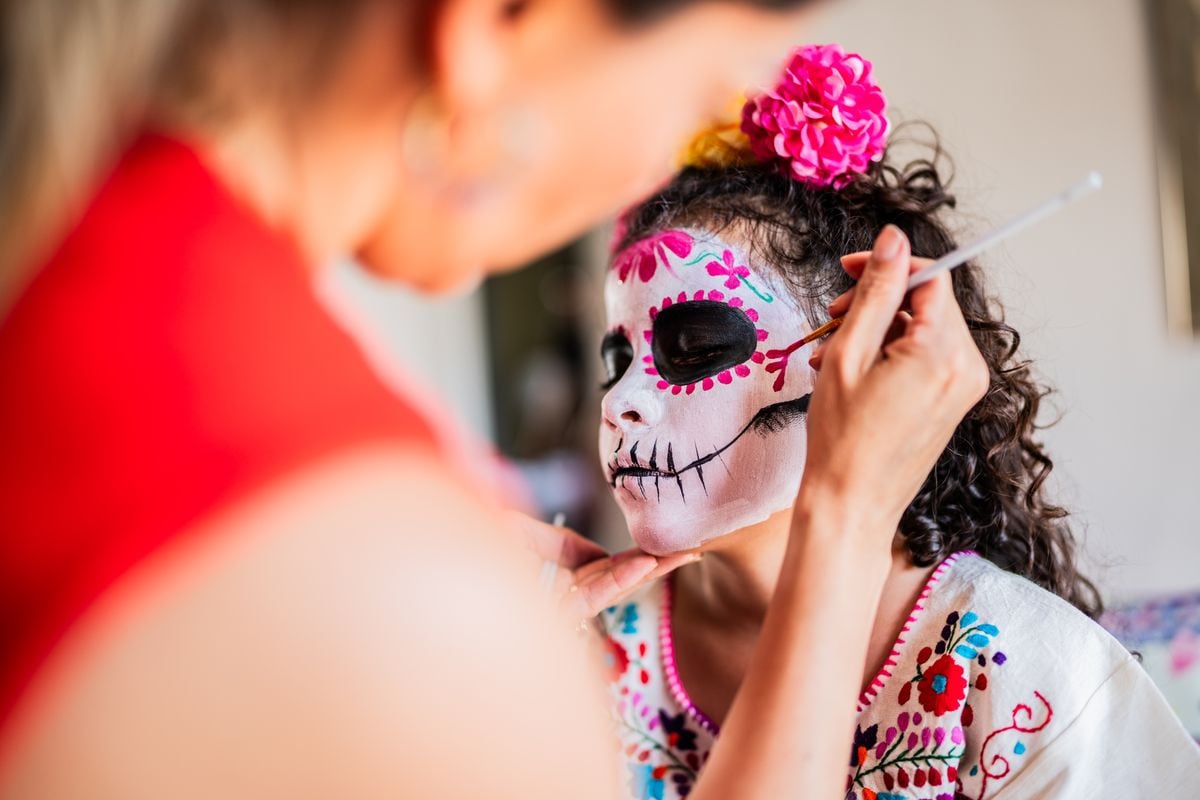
[(733, 584), (721, 601)]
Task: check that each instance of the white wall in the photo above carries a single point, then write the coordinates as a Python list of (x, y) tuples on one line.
[(1029, 95)]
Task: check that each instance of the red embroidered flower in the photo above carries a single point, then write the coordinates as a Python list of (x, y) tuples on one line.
[(615, 659), (943, 687)]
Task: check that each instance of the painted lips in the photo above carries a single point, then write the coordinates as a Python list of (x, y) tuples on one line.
[(651, 470)]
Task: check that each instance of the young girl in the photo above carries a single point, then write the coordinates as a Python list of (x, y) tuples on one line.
[(986, 675)]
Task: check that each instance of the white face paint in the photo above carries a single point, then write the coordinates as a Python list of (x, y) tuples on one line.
[(701, 432)]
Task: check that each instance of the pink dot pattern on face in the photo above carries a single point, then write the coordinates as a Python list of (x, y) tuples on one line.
[(726, 376)]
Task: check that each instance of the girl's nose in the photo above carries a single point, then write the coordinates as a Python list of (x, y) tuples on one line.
[(629, 409)]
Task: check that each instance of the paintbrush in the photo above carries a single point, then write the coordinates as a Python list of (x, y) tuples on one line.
[(965, 253), (549, 573)]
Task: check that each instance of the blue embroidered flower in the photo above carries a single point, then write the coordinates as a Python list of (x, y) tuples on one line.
[(643, 783), (629, 619)]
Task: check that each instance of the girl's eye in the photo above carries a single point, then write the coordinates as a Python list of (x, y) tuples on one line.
[(617, 354), (698, 339)]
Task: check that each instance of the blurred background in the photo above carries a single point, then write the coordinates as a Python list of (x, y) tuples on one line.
[(1027, 96)]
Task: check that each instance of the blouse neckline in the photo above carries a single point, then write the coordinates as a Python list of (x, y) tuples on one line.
[(680, 694)]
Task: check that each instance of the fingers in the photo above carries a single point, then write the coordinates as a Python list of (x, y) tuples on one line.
[(930, 300), (898, 329), (937, 333), (877, 298), (841, 304), (617, 578), (553, 543), (934, 304), (817, 357), (855, 263)]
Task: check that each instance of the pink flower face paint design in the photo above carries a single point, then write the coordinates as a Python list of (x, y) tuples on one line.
[(642, 258), (698, 439), (727, 267)]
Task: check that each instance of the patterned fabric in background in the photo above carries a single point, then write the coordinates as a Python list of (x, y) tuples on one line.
[(1165, 632)]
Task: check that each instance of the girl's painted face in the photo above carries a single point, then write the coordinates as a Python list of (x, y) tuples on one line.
[(703, 429)]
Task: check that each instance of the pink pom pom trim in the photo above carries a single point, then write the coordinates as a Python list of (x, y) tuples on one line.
[(824, 121)]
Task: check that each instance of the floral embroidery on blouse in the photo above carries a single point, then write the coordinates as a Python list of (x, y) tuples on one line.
[(660, 742), (964, 701), (924, 745)]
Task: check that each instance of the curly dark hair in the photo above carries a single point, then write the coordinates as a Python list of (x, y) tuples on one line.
[(987, 491)]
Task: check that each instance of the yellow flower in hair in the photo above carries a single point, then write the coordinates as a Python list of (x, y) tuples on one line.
[(721, 144)]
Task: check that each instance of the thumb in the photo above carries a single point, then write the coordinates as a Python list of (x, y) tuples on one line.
[(617, 578), (877, 297)]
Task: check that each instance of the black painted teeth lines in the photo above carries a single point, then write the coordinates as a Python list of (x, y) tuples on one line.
[(671, 469)]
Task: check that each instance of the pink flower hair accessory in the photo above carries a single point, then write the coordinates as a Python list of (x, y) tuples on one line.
[(824, 121)]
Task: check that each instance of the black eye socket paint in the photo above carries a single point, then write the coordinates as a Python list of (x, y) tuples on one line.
[(617, 354), (698, 339)]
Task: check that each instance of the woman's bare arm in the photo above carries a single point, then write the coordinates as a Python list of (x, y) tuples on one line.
[(893, 386), (366, 629)]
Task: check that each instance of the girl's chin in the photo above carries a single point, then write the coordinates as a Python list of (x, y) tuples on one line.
[(666, 542), (659, 538), (660, 543)]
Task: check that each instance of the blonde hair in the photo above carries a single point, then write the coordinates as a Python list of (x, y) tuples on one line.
[(80, 76), (76, 75)]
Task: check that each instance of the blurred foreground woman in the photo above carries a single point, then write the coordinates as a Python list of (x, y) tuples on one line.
[(231, 562)]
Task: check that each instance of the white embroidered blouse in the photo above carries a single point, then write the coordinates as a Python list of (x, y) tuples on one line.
[(995, 689)]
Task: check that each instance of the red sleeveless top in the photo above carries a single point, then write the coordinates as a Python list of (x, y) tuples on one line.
[(169, 358)]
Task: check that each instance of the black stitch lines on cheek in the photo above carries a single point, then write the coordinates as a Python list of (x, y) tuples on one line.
[(698, 339), (770, 419)]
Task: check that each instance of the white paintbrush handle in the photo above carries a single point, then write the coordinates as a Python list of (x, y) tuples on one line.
[(968, 251)]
